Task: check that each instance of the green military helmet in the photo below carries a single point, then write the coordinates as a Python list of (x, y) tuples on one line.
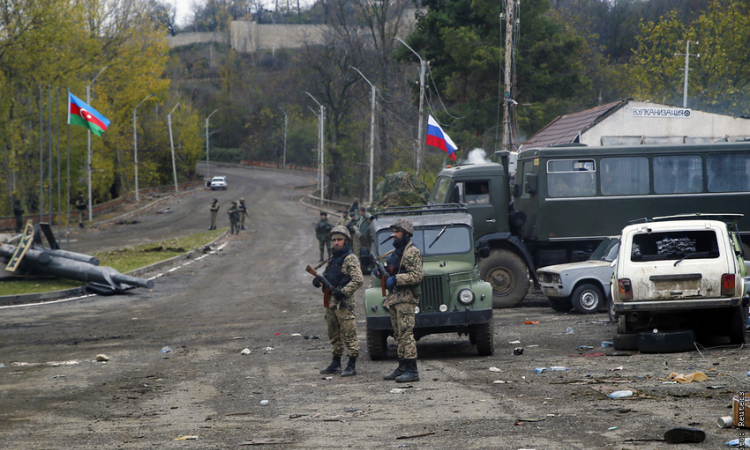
[(404, 225), (340, 229), (234, 202)]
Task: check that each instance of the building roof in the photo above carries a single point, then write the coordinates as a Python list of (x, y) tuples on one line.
[(567, 129)]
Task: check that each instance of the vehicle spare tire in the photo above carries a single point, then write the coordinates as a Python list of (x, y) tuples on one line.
[(666, 342), (625, 342)]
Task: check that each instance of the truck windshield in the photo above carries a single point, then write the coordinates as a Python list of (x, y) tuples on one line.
[(455, 240), (606, 251), (440, 191)]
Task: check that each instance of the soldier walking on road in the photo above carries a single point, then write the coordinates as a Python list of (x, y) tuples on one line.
[(243, 213), (323, 233), (81, 206), (404, 267), (234, 218), (18, 213), (344, 273), (214, 212)]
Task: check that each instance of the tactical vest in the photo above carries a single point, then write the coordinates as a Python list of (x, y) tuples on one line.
[(394, 262), (334, 271)]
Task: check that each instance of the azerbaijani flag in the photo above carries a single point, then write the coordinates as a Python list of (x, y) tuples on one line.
[(437, 138), (81, 114)]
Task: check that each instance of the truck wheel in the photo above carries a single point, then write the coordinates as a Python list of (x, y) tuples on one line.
[(587, 298), (560, 304), (484, 335), (377, 344), (737, 320), (507, 274)]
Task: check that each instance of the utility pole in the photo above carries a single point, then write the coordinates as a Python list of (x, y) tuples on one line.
[(286, 124), (420, 132), (88, 144), (171, 143), (687, 67), (135, 145), (509, 4), (373, 91), (321, 128), (209, 116)]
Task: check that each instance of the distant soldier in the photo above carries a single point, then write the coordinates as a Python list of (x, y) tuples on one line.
[(404, 268), (18, 213), (214, 212), (344, 273), (243, 213), (354, 233), (344, 218), (323, 233), (354, 210), (81, 206), (234, 218)]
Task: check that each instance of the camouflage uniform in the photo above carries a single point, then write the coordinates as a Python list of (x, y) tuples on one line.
[(81, 206), (323, 233), (234, 218), (214, 212), (406, 267), (344, 273), (243, 213), (18, 213)]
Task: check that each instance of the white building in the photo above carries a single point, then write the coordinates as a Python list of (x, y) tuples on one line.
[(631, 122)]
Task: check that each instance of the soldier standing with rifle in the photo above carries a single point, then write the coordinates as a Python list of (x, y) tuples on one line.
[(214, 212), (243, 213), (323, 233), (404, 274), (344, 275), (234, 218)]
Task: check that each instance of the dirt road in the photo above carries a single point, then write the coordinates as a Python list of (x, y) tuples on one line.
[(255, 294)]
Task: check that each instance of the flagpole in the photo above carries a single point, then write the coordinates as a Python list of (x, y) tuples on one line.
[(135, 145), (67, 198), (59, 199), (49, 115), (88, 144)]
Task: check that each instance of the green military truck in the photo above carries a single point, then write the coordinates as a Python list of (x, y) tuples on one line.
[(453, 298), (565, 200)]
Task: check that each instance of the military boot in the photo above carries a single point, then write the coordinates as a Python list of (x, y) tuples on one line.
[(350, 367), (398, 372), (411, 373), (334, 367)]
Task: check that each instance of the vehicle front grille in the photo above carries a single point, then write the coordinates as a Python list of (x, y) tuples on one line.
[(546, 277), (460, 278), (432, 293)]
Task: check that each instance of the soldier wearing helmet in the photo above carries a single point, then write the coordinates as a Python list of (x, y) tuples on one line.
[(234, 218), (345, 275), (214, 208), (323, 233), (404, 267)]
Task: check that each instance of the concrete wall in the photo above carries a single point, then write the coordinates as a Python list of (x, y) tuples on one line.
[(698, 126), (249, 37)]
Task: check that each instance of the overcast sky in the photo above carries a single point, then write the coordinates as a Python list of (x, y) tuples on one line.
[(185, 7)]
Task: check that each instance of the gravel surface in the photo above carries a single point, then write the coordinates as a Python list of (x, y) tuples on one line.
[(253, 293)]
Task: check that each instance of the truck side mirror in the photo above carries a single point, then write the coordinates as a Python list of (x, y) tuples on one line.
[(531, 183), (484, 249)]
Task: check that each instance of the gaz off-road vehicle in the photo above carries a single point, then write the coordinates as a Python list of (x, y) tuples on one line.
[(453, 298)]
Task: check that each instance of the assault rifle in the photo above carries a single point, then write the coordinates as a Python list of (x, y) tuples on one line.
[(329, 288), (383, 274)]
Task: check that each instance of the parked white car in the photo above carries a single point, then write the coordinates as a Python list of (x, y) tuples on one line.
[(582, 285), (681, 275), (219, 182)]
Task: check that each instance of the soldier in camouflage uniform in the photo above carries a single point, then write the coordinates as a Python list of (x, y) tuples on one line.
[(234, 218), (404, 267), (344, 274), (214, 212), (323, 233), (243, 213)]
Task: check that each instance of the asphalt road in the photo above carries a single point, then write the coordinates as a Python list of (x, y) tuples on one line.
[(254, 294)]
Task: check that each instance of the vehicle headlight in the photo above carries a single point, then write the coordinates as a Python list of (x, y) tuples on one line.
[(466, 296)]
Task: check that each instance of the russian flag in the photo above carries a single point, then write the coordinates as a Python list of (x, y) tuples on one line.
[(437, 138)]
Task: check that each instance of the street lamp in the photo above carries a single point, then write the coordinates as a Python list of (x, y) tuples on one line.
[(321, 125), (373, 91), (422, 68), (171, 143), (135, 144), (209, 116), (88, 142), (286, 124)]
